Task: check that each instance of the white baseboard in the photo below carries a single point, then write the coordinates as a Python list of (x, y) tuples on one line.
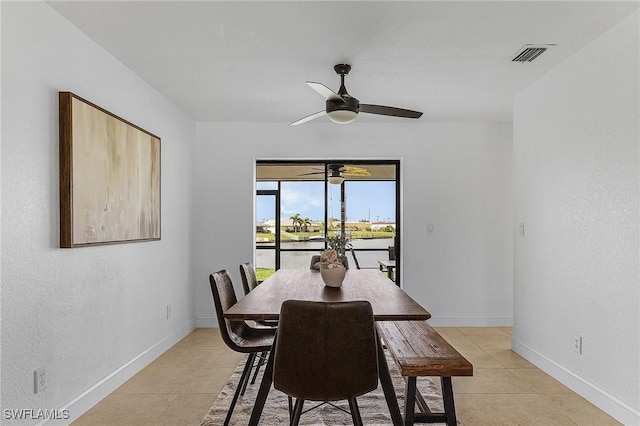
[(600, 398), (207, 322), (470, 321), (104, 387)]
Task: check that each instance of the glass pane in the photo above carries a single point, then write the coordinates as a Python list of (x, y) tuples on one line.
[(372, 201), (266, 185), (371, 213), (265, 264), (265, 220), (371, 210), (302, 207)]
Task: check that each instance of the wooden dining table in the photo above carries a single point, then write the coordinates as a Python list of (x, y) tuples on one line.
[(388, 301)]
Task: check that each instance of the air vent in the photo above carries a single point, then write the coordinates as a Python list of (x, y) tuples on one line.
[(529, 52)]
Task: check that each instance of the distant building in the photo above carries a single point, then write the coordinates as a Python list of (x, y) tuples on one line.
[(262, 227), (381, 225), (360, 226)]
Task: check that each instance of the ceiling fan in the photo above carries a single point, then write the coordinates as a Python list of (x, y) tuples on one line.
[(343, 108), (337, 172)]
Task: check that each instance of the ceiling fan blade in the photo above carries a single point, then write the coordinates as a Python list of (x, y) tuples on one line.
[(312, 173), (309, 118), (325, 91), (354, 171), (386, 110)]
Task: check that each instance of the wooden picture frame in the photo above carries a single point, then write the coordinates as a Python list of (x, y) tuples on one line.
[(109, 177)]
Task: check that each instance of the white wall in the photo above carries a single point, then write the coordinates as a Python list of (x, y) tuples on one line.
[(456, 176), (576, 162), (84, 312)]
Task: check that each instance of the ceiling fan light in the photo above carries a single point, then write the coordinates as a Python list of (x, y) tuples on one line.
[(335, 180), (342, 116)]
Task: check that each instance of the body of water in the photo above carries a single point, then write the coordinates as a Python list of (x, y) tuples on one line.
[(302, 260)]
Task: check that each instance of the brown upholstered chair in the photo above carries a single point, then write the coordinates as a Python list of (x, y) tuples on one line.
[(314, 260), (249, 279), (326, 352), (249, 282), (238, 335)]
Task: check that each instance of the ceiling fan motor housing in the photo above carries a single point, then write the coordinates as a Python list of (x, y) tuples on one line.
[(347, 103)]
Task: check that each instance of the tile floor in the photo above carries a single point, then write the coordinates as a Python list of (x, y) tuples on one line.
[(179, 387)]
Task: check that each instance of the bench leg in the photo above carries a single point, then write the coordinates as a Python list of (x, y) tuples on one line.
[(421, 403), (447, 399), (413, 395), (410, 401)]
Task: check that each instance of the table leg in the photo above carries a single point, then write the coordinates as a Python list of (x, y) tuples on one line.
[(387, 386), (263, 392)]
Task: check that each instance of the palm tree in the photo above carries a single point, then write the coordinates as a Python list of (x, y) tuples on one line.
[(305, 223), (295, 219)]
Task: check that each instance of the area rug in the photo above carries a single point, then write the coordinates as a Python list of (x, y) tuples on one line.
[(373, 406)]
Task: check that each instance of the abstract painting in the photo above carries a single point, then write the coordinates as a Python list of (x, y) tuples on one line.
[(109, 177)]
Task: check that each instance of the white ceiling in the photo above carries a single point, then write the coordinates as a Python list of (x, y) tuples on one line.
[(248, 61)]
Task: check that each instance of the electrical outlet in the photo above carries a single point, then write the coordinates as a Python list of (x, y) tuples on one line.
[(40, 379), (577, 344), (168, 311), (522, 229)]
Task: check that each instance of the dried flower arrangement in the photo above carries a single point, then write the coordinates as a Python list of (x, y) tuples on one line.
[(329, 260)]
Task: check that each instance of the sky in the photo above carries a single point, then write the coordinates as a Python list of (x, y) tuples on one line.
[(370, 200)]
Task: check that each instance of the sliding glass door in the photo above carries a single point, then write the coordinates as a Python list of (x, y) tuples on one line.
[(299, 203)]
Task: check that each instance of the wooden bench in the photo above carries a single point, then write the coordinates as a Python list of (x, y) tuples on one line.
[(420, 351)]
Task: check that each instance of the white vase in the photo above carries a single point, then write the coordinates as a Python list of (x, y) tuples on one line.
[(333, 277)]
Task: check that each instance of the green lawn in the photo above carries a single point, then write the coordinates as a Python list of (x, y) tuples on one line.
[(264, 273), (372, 234)]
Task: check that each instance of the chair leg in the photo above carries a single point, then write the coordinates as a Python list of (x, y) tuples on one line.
[(263, 391), (250, 360), (355, 412), (297, 411), (243, 379), (290, 408), (263, 356)]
